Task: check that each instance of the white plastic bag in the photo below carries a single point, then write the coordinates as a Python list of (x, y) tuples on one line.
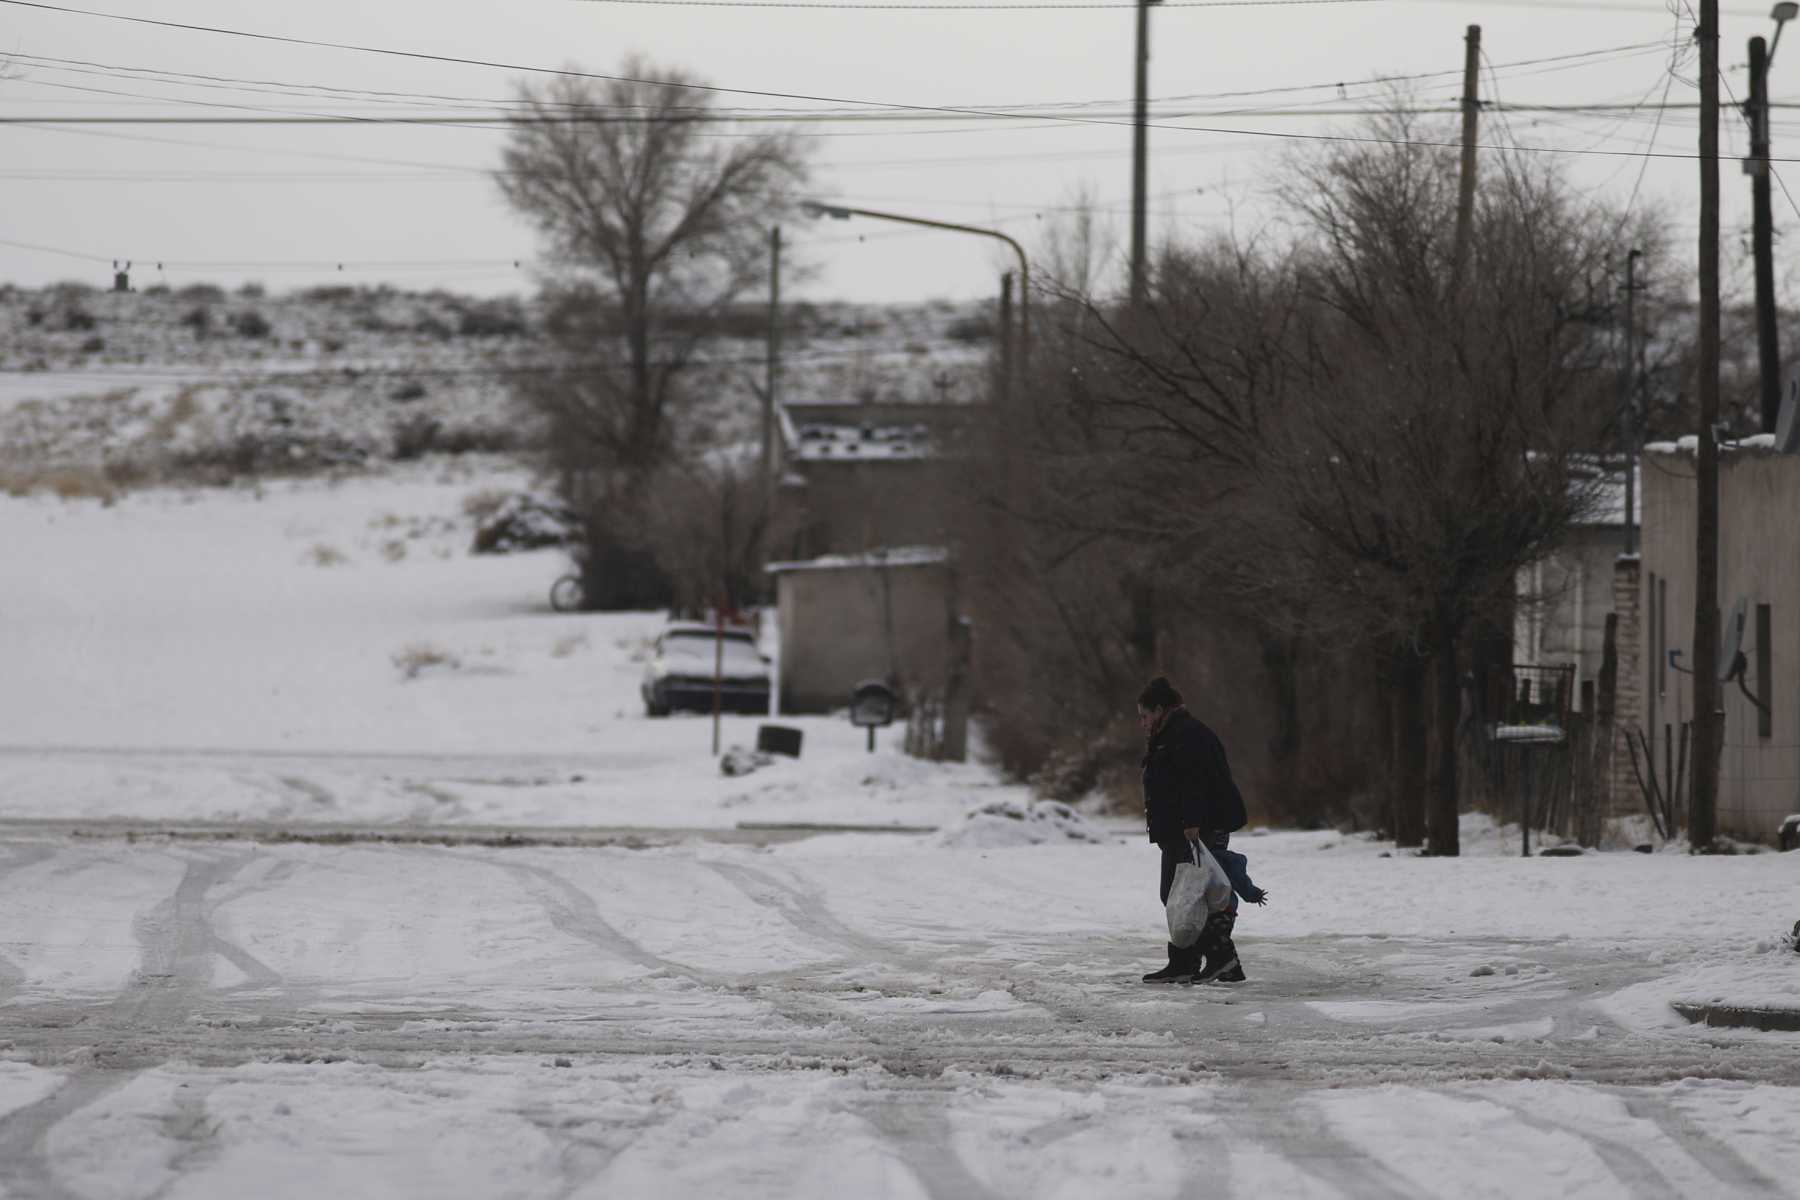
[(1200, 889)]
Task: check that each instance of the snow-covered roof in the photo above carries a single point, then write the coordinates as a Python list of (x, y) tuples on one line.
[(1528, 733), (841, 441), (702, 629), (1691, 444), (899, 556)]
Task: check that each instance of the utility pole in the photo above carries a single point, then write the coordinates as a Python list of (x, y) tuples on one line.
[(1006, 344), (1768, 349), (1704, 786), (1628, 407), (772, 367), (1471, 118), (1140, 153)]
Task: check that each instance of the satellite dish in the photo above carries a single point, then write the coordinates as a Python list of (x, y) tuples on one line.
[(1787, 424), (1731, 640)]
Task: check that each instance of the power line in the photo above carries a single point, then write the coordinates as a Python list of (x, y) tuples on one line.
[(1628, 49), (569, 73), (54, 250), (1655, 132), (1363, 139), (345, 264)]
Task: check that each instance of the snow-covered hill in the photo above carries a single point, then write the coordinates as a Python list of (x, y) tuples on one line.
[(102, 389)]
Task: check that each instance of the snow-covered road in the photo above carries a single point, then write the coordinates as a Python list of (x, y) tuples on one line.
[(847, 1015)]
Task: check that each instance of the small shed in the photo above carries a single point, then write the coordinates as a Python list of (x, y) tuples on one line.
[(846, 618)]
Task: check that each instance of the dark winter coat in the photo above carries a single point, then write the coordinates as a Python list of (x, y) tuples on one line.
[(1187, 782)]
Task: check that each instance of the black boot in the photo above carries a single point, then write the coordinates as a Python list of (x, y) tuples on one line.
[(1221, 966), (1220, 959), (1182, 964)]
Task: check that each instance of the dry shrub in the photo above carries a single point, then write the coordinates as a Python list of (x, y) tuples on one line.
[(481, 506), (321, 555), (66, 483), (415, 659), (182, 409), (1103, 764)]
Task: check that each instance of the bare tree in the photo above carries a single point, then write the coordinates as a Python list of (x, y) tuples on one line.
[(1334, 440), (704, 513), (655, 226)]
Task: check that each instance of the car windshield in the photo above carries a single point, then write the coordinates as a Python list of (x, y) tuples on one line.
[(693, 648)]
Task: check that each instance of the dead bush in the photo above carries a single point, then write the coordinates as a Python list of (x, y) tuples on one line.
[(415, 659), (415, 437), (65, 483), (251, 324), (322, 555)]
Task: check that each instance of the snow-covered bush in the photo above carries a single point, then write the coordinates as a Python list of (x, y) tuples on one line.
[(519, 521), (1010, 823)]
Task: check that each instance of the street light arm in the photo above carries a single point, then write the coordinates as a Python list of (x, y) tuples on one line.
[(841, 212)]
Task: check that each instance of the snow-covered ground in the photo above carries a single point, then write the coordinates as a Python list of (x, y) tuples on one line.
[(217, 979)]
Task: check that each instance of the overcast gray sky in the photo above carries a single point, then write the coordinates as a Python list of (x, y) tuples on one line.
[(409, 205)]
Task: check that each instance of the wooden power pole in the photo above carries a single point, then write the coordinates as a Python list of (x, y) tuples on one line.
[(1628, 414), (1005, 388), (1471, 119), (1140, 154), (1762, 238), (1703, 789), (771, 367)]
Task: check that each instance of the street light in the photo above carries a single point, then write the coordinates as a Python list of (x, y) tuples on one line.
[(1781, 14), (838, 212)]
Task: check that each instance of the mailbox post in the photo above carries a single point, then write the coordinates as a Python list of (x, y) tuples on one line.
[(871, 707)]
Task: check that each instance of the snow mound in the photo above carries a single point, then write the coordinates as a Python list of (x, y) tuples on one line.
[(1019, 823)]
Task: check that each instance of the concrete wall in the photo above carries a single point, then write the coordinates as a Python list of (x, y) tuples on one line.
[(842, 625), (851, 507), (1759, 560)]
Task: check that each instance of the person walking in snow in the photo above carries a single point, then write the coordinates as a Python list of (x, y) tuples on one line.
[(1189, 796)]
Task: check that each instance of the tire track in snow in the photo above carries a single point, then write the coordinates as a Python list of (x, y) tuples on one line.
[(914, 1122), (1733, 1171), (1638, 1177), (12, 976), (807, 913), (1302, 1135), (576, 913), (176, 943), (25, 1166), (893, 1040)]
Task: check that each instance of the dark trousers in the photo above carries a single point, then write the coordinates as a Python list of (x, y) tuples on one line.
[(1215, 939)]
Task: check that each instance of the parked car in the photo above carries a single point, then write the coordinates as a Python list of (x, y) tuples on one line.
[(680, 674)]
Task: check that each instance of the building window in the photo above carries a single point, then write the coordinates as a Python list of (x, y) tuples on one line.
[(1765, 676)]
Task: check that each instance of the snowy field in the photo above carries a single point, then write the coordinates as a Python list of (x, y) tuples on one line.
[(257, 750)]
